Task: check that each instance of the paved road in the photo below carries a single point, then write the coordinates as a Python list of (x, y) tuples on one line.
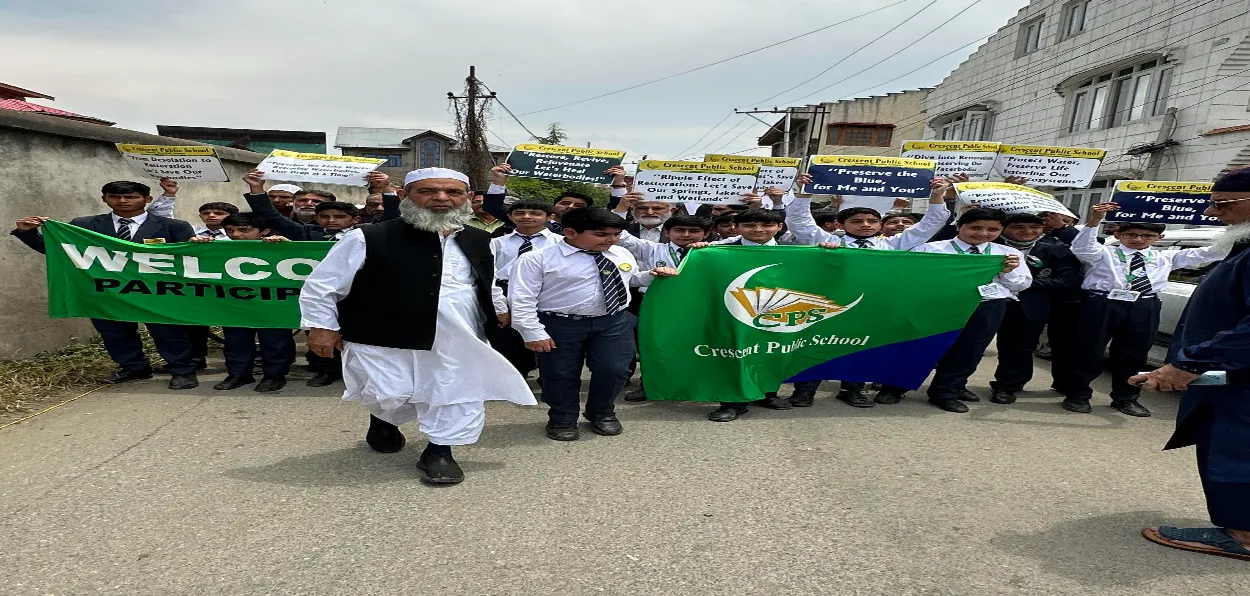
[(134, 490)]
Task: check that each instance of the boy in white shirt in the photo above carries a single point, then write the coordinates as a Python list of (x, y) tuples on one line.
[(976, 231), (569, 304), (531, 233), (1121, 305)]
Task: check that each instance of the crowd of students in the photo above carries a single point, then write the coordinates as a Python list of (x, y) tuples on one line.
[(561, 311)]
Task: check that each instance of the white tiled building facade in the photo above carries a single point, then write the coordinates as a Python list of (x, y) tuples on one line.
[(1123, 75)]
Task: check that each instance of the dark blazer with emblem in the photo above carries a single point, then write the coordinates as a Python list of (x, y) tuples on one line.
[(1056, 272), (1214, 334), (152, 228)]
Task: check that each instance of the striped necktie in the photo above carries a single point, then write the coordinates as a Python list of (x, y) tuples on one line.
[(1137, 268), (863, 243), (123, 227), (614, 293), (973, 250), (526, 244)]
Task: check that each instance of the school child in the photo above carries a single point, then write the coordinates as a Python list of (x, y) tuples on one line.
[(1121, 306), (334, 219), (976, 231), (277, 349), (724, 227), (893, 224), (569, 302), (861, 227), (530, 233), (680, 231)]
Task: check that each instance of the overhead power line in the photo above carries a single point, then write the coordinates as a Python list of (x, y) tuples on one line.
[(721, 61)]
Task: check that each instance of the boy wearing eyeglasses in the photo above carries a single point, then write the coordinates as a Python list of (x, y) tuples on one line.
[(1121, 307)]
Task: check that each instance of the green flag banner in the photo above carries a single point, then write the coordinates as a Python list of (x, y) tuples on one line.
[(740, 320), (242, 283)]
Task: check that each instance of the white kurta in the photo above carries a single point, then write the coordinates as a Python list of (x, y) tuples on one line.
[(457, 374)]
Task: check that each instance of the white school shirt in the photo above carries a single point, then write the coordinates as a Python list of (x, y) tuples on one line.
[(1106, 267), (163, 206), (564, 279), (218, 234), (1008, 284), (136, 221), (505, 248), (651, 254), (799, 219), (739, 240)]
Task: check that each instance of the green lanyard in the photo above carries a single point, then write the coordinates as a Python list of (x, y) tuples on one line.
[(673, 255), (1129, 276), (961, 251)]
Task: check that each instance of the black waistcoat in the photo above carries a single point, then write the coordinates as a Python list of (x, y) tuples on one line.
[(393, 302)]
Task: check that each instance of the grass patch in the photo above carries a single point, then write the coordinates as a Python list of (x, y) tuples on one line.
[(24, 381)]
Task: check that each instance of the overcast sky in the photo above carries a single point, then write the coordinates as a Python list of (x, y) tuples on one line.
[(320, 64)]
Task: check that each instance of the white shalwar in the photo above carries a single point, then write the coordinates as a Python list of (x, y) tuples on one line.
[(444, 388)]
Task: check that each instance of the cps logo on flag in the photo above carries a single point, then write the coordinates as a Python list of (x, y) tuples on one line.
[(778, 310)]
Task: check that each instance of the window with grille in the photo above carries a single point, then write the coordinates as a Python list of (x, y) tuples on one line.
[(1030, 38), (1116, 98), (860, 135), (431, 154), (393, 160), (1073, 20)]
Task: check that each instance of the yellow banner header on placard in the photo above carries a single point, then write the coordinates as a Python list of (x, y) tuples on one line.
[(775, 162), (967, 146), (700, 167), (869, 160), (324, 157), (196, 150), (962, 186), (1197, 188), (562, 150), (1044, 151)]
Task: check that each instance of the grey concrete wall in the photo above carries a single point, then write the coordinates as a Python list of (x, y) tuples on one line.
[(55, 167)]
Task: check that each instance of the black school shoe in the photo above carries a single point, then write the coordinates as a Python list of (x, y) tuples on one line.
[(855, 399), (438, 467), (1080, 406), (803, 399), (723, 414), (1131, 408), (774, 403), (606, 425), (888, 398), (638, 394), (383, 436), (323, 379), (950, 405), (965, 395), (234, 382), (268, 384), (123, 375), (187, 381), (1003, 397), (562, 432)]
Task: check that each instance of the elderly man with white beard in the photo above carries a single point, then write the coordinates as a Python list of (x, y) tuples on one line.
[(649, 218), (428, 360)]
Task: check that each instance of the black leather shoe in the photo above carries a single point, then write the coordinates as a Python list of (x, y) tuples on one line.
[(1003, 397), (123, 375), (775, 403), (383, 436), (268, 384), (606, 425), (439, 467), (855, 399), (562, 432), (888, 398), (966, 395), (723, 414), (802, 399), (234, 382), (950, 405), (638, 394), (323, 379), (1131, 408), (1080, 406), (187, 381)]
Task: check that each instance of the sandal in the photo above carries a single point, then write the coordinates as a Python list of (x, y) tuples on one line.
[(1217, 542)]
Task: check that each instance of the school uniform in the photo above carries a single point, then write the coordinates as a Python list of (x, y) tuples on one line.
[(121, 338), (650, 254), (950, 379), (506, 250), (802, 223), (579, 300), (1056, 271), (1121, 308)]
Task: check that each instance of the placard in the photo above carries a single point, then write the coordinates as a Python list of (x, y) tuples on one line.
[(870, 176), (1163, 202), (694, 181), (1009, 198), (1061, 167), (316, 167), (778, 172), (557, 162), (196, 162), (974, 158)]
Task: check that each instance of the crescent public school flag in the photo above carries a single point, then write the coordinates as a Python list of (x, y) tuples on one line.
[(739, 321)]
